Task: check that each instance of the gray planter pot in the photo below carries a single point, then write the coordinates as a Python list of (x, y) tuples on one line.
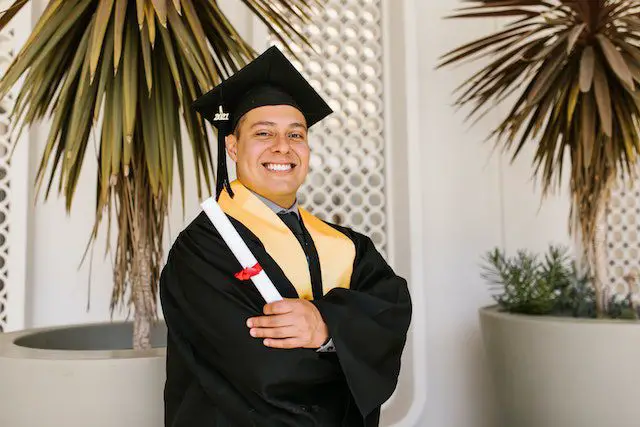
[(80, 376), (563, 372)]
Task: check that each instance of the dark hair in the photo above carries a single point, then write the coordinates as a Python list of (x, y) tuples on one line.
[(236, 131)]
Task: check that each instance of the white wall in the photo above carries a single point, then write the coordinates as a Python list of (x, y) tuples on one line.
[(471, 201)]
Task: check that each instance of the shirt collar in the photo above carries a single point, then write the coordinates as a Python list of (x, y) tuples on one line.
[(277, 208)]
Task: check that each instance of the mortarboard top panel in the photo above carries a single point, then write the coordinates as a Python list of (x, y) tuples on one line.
[(270, 79)]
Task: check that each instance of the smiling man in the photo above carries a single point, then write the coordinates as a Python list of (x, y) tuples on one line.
[(273, 159), (329, 353)]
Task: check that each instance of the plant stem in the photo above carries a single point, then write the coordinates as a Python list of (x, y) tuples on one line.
[(599, 247), (143, 301)]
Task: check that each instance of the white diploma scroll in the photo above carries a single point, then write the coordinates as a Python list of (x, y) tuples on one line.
[(240, 249)]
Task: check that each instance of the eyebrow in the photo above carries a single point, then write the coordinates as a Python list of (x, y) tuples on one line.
[(266, 123)]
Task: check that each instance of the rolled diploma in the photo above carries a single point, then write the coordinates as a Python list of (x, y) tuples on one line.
[(240, 249)]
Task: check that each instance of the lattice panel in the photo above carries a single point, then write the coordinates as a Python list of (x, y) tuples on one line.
[(623, 238), (346, 183), (7, 53)]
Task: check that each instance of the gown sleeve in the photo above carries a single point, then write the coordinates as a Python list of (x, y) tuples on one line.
[(369, 324)]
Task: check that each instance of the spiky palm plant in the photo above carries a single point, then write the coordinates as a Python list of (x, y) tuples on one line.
[(568, 70), (128, 71)]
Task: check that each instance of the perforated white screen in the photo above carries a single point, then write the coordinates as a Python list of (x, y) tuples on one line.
[(346, 183), (623, 237)]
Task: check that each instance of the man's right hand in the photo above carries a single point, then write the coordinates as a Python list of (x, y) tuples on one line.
[(290, 323)]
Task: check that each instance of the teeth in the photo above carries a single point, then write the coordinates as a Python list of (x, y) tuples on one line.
[(278, 167)]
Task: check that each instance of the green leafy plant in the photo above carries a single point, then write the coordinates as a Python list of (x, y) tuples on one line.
[(576, 294), (568, 69), (526, 283), (126, 72)]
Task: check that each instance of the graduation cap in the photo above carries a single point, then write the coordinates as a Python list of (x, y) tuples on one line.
[(270, 79)]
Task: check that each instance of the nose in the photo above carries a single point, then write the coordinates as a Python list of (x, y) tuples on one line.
[(281, 144)]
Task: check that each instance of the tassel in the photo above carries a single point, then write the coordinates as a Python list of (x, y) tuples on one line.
[(222, 179)]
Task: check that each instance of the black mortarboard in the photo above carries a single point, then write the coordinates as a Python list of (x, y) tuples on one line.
[(270, 79)]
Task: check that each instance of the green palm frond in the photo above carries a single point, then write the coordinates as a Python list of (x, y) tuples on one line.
[(126, 72), (568, 70)]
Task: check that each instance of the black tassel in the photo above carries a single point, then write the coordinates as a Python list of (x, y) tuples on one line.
[(222, 180)]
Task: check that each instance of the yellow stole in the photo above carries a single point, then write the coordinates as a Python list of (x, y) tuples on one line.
[(336, 252)]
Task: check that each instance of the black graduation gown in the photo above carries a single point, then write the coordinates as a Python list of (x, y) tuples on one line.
[(220, 376)]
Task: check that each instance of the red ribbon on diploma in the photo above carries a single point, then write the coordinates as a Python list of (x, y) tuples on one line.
[(249, 272)]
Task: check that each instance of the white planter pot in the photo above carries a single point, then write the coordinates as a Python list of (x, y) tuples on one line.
[(563, 372), (81, 376)]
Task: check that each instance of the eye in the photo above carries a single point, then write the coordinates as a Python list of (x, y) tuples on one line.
[(296, 135), (262, 133)]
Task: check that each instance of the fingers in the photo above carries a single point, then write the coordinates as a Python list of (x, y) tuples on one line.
[(289, 323), (283, 332), (274, 321), (280, 307)]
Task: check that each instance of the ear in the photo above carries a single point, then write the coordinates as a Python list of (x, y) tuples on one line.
[(231, 142)]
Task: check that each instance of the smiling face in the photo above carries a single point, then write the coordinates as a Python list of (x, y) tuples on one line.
[(271, 152)]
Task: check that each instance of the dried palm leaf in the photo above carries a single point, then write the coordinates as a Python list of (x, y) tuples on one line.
[(569, 69), (130, 69)]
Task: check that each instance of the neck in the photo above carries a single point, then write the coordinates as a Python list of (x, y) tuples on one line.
[(284, 201)]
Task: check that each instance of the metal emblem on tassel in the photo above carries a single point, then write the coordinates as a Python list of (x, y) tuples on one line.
[(221, 115)]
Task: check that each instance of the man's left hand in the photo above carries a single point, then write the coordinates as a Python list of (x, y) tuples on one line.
[(290, 323)]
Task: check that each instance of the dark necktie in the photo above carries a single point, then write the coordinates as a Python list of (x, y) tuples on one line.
[(292, 221)]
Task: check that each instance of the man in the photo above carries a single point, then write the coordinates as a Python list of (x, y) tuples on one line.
[(328, 354)]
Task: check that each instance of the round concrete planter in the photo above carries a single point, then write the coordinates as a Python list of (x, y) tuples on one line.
[(563, 372), (80, 376)]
